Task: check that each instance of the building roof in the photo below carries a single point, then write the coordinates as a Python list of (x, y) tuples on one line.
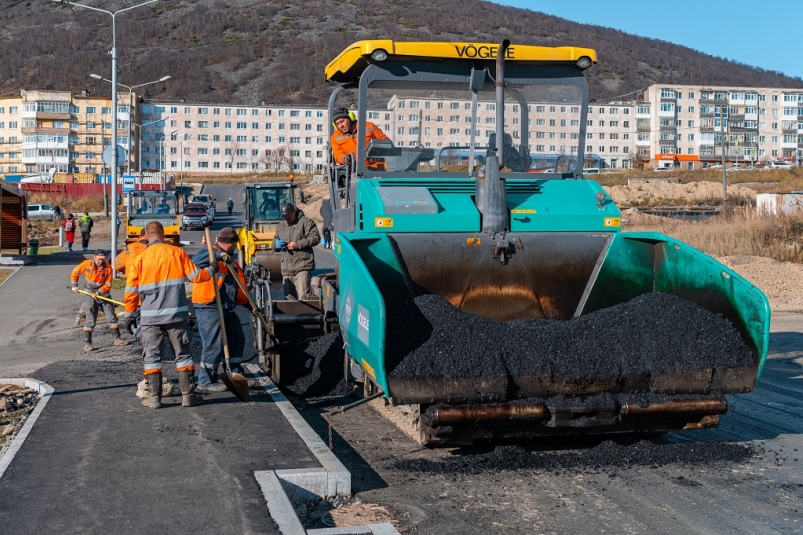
[(349, 65)]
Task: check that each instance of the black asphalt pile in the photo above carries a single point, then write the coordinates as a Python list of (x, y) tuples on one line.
[(313, 367), (608, 454), (652, 333)]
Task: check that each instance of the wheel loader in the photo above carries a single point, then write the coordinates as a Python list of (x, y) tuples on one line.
[(506, 228)]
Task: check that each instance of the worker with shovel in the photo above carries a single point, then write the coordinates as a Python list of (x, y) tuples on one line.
[(209, 327), (98, 284), (154, 294)]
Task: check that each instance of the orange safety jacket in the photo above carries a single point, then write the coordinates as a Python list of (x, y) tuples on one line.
[(203, 293), (343, 144), (154, 283), (131, 250), (97, 279)]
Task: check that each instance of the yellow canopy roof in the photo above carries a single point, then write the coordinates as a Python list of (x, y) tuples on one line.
[(355, 58)]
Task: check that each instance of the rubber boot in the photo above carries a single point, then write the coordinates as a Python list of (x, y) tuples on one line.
[(117, 340), (88, 341), (186, 382), (154, 398)]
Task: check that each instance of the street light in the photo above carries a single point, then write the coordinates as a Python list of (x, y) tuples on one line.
[(113, 14), (139, 143), (130, 104)]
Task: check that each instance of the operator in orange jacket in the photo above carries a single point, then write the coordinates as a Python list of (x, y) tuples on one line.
[(130, 251), (98, 281), (344, 138), (203, 301), (155, 295)]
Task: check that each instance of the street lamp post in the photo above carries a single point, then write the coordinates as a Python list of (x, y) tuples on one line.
[(113, 15), (139, 143), (130, 105)]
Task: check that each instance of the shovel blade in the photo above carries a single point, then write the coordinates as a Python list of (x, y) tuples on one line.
[(236, 384)]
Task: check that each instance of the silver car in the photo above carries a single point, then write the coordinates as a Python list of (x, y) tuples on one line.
[(41, 211)]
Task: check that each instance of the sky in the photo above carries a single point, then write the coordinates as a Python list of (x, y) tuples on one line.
[(766, 34)]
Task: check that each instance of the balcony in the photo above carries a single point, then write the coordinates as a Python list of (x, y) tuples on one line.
[(45, 130)]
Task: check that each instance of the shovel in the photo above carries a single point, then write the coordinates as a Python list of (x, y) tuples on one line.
[(100, 297), (235, 382)]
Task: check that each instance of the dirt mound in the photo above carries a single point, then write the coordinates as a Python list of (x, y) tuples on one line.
[(314, 195), (781, 282), (691, 194)]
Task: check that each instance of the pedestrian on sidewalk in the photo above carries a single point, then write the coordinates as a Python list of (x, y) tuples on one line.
[(69, 231), (98, 281), (203, 301), (155, 295), (85, 223)]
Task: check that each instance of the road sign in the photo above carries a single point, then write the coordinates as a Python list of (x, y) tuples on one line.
[(108, 152), (129, 183)]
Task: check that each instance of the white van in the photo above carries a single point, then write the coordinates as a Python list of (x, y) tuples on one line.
[(41, 211), (780, 165)]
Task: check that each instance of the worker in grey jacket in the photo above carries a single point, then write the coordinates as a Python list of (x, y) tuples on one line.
[(295, 238)]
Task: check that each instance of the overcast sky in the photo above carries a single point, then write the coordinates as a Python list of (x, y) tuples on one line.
[(765, 34)]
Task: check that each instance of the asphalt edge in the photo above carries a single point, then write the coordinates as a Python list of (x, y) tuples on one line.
[(46, 391), (15, 267), (330, 480)]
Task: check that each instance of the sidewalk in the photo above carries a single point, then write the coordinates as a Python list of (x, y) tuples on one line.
[(97, 461)]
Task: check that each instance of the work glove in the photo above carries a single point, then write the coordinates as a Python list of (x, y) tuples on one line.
[(213, 268), (280, 244), (225, 258), (74, 288)]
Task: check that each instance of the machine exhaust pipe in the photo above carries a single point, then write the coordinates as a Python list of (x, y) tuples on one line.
[(482, 414), (491, 192)]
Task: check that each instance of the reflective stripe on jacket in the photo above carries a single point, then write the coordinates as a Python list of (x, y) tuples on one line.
[(203, 293), (155, 283), (131, 250), (305, 233), (97, 279), (343, 144)]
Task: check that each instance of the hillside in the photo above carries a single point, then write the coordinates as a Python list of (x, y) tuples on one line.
[(250, 51)]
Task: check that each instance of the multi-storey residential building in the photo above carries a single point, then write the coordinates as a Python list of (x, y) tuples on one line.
[(677, 125), (42, 130), (691, 125)]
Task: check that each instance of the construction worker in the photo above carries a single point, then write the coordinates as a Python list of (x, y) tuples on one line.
[(344, 138), (155, 296), (98, 281), (130, 251), (295, 238), (203, 301)]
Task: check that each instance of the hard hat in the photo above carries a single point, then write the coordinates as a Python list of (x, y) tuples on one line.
[(287, 210)]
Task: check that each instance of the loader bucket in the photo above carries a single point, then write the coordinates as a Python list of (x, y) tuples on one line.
[(547, 276)]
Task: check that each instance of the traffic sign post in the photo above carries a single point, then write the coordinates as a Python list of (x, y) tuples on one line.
[(129, 183)]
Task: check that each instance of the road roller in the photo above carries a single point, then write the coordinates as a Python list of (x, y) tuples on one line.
[(485, 289)]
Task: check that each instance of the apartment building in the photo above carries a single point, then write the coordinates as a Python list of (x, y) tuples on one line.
[(667, 125), (211, 138), (42, 130), (692, 125)]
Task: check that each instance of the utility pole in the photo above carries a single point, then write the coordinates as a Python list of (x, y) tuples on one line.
[(724, 172)]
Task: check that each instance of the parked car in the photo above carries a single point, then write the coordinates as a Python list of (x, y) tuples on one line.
[(203, 197), (41, 211), (780, 165), (664, 168), (195, 216)]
